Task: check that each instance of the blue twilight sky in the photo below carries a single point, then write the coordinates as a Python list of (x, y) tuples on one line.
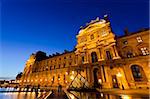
[(51, 25)]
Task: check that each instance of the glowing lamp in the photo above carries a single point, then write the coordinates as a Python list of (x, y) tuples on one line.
[(71, 77), (119, 74)]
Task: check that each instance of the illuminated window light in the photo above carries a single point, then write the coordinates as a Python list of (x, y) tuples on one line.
[(66, 73), (125, 97), (71, 77), (72, 72), (119, 74), (100, 81)]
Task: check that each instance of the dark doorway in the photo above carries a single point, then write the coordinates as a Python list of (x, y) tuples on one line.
[(94, 57), (95, 78), (108, 55), (114, 81)]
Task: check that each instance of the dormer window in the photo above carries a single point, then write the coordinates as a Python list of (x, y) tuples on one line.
[(144, 51), (139, 39)]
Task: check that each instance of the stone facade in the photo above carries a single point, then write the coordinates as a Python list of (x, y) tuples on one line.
[(101, 57)]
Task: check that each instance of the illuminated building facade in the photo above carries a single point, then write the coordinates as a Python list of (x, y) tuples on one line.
[(99, 56)]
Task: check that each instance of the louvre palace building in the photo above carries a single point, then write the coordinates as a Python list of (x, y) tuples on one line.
[(100, 59)]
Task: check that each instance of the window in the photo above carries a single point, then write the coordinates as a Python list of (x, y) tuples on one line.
[(50, 67), (82, 59), (139, 39), (58, 77), (58, 66), (125, 42), (64, 78), (144, 51), (136, 71), (92, 36), (64, 65), (46, 68), (53, 79), (108, 55), (129, 54), (94, 57)]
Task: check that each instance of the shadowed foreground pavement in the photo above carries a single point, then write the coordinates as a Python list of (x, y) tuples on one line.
[(56, 95)]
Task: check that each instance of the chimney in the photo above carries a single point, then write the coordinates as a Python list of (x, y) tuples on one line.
[(126, 32)]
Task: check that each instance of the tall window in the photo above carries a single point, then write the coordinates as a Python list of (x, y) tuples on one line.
[(144, 51), (108, 55), (82, 59), (137, 72), (94, 57), (139, 39), (50, 67)]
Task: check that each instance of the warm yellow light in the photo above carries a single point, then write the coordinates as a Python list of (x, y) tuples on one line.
[(66, 73), (125, 97), (40, 79), (36, 80), (66, 81), (24, 80), (119, 75), (58, 78), (31, 80), (45, 79), (72, 72), (72, 77), (100, 81), (72, 97), (102, 95)]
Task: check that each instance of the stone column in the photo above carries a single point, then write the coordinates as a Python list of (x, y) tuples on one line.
[(116, 55)]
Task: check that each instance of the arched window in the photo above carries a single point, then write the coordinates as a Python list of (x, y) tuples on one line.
[(94, 57), (137, 72)]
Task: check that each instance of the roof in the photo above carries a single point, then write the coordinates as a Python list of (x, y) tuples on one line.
[(136, 32)]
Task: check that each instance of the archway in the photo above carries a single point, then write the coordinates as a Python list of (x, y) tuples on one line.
[(138, 73), (95, 77)]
